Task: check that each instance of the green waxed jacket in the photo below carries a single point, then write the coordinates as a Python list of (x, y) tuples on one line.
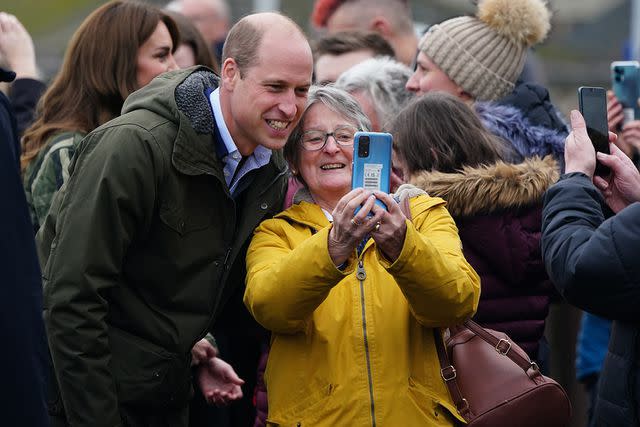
[(138, 247)]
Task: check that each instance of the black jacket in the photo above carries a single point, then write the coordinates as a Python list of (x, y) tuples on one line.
[(593, 262), (534, 103), (23, 355)]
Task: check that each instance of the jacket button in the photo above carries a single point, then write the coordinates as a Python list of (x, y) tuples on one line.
[(216, 263), (264, 206)]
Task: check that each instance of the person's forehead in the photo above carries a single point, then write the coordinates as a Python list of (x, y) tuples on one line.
[(283, 58)]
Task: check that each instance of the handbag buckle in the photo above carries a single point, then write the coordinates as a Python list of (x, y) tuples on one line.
[(448, 373), (503, 346)]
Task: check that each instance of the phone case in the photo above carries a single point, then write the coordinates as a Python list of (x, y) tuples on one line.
[(592, 102), (373, 171), (625, 77)]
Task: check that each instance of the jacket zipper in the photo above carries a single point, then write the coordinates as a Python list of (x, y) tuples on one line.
[(361, 274)]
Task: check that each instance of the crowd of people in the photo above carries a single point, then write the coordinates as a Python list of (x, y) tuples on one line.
[(182, 245)]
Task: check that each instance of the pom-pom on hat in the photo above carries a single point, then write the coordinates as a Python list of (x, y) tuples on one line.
[(485, 54)]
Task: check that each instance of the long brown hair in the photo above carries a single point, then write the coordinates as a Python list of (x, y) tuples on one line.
[(439, 132), (98, 72)]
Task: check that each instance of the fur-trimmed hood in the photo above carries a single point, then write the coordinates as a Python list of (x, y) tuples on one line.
[(490, 188), (527, 140)]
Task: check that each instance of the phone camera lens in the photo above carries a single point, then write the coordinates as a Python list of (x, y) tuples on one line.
[(363, 146)]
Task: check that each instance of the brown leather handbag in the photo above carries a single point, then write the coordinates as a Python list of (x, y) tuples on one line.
[(493, 382)]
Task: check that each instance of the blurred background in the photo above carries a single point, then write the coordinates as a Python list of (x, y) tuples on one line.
[(586, 35)]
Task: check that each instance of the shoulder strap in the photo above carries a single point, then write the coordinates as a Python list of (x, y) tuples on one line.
[(448, 371), (448, 374)]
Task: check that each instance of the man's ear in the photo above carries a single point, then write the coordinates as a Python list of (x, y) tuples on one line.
[(230, 73), (380, 25)]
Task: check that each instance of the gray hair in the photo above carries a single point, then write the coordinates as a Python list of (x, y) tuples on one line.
[(335, 99), (383, 80)]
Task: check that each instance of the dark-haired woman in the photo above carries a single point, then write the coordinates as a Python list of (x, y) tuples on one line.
[(118, 49), (441, 146)]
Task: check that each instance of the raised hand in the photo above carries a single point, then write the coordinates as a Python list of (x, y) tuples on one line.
[(390, 233), (622, 186), (16, 47), (348, 229)]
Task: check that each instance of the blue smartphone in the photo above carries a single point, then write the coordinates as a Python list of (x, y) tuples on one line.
[(593, 106), (372, 162), (625, 77)]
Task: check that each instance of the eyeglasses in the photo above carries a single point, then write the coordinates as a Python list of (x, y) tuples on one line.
[(314, 140)]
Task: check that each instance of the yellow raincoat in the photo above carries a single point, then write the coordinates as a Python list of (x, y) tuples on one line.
[(356, 348)]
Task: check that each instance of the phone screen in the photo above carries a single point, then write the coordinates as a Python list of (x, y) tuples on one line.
[(593, 106)]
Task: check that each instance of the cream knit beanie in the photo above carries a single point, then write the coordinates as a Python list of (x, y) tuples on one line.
[(484, 54)]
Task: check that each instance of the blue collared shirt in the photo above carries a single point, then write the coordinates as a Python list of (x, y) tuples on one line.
[(230, 155)]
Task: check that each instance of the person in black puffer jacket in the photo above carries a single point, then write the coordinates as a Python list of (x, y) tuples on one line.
[(592, 261)]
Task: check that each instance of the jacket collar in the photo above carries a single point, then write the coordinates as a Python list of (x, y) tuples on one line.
[(491, 188), (194, 151)]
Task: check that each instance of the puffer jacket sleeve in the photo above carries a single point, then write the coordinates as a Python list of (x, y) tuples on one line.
[(108, 199), (440, 286), (592, 261), (286, 284)]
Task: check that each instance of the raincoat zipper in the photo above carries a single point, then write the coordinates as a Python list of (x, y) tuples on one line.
[(361, 274)]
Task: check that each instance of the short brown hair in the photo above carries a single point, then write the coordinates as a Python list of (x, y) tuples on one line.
[(243, 40), (439, 132), (98, 71), (352, 41)]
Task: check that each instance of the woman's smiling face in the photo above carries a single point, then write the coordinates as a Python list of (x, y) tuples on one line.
[(327, 172)]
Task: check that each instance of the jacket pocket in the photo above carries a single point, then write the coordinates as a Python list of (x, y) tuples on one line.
[(178, 221), (440, 413), (309, 411), (146, 374)]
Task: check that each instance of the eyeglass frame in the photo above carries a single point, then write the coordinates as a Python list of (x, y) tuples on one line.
[(326, 137)]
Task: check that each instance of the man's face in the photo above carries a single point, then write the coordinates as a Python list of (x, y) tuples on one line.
[(266, 102), (329, 67)]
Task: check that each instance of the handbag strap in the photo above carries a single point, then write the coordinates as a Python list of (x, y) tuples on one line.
[(448, 371), (448, 374), (502, 346)]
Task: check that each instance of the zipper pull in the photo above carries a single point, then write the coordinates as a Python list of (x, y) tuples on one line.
[(226, 257), (360, 273)]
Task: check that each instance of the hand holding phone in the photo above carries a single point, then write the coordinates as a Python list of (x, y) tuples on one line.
[(593, 106), (372, 162), (625, 78)]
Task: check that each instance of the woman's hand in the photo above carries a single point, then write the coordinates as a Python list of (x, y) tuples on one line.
[(615, 114), (348, 229), (389, 235)]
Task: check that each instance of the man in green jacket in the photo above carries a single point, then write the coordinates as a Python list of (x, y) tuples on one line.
[(141, 244)]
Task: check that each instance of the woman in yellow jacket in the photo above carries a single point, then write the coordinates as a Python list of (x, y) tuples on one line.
[(352, 301)]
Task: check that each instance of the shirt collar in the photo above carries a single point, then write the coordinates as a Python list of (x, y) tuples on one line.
[(214, 99)]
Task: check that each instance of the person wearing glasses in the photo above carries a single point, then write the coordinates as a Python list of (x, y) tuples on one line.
[(352, 298)]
